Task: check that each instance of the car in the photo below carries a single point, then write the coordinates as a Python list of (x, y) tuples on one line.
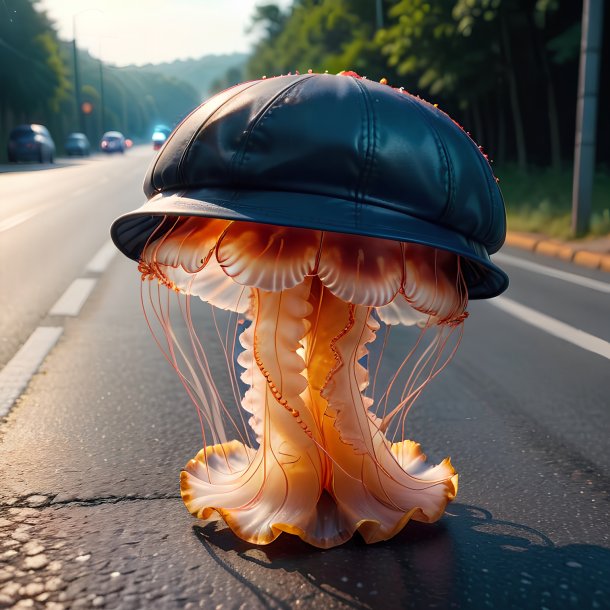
[(113, 141), (31, 142), (160, 134), (158, 143), (77, 144)]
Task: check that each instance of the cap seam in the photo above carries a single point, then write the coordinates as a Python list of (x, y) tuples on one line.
[(442, 153), (492, 199), (187, 148), (239, 155), (171, 137), (365, 176)]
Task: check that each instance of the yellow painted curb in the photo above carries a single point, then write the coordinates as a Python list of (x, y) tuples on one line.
[(588, 259), (521, 241), (558, 250), (604, 263)]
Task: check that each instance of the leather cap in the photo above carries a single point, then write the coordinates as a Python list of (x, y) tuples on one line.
[(337, 153)]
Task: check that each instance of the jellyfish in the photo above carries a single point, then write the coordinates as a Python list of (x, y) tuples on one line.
[(318, 218)]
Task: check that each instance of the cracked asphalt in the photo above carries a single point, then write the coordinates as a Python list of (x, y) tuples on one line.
[(90, 513)]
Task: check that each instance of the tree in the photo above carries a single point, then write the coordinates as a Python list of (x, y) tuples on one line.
[(34, 79)]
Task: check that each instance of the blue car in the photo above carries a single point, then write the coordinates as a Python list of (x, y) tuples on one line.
[(77, 144), (31, 143), (113, 141)]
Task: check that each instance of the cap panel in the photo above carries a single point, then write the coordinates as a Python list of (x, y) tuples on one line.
[(410, 171), (164, 172), (210, 158), (310, 140), (477, 208)]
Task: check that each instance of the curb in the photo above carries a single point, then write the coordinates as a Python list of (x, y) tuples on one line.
[(559, 249)]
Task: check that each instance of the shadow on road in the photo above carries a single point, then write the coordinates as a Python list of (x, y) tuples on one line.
[(12, 168), (467, 560)]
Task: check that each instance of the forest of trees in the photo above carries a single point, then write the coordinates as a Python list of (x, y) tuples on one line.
[(37, 84), (505, 69)]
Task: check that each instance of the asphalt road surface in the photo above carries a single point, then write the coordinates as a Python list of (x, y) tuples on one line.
[(94, 438)]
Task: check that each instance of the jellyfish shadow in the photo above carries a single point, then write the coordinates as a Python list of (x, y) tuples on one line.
[(466, 560)]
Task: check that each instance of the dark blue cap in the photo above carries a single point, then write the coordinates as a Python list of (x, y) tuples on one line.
[(336, 153)]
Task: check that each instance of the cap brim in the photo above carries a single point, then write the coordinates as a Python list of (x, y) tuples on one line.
[(131, 231)]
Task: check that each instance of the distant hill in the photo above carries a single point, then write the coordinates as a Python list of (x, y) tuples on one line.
[(200, 73)]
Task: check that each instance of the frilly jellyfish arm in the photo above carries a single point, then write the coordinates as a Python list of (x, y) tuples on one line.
[(375, 491), (278, 489)]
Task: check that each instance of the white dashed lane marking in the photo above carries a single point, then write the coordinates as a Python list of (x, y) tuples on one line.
[(17, 219), (16, 375), (99, 263), (72, 301)]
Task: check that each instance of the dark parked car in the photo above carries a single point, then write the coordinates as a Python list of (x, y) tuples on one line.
[(31, 143), (113, 141), (77, 144)]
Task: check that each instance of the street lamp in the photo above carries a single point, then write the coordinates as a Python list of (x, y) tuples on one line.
[(77, 98)]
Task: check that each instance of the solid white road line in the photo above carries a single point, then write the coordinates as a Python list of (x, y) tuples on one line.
[(15, 376), (73, 299), (17, 219), (553, 327), (99, 263), (566, 276)]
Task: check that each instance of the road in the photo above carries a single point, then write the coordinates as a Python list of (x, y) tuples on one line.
[(92, 448)]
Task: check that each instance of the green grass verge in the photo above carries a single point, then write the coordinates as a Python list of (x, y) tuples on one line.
[(540, 201)]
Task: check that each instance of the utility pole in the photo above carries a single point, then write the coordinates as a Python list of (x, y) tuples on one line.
[(102, 109), (77, 101), (77, 91), (586, 114), (379, 10)]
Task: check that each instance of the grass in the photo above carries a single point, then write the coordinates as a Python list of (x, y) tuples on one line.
[(540, 201)]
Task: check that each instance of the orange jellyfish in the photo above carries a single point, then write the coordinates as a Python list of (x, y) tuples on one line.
[(318, 217)]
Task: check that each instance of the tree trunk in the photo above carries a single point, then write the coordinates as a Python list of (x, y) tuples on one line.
[(490, 134), (513, 94), (553, 117), (501, 147), (555, 141), (478, 123)]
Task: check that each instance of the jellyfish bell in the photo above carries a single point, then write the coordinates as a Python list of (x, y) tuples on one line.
[(320, 217)]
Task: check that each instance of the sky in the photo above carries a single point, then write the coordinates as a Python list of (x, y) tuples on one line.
[(138, 32)]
